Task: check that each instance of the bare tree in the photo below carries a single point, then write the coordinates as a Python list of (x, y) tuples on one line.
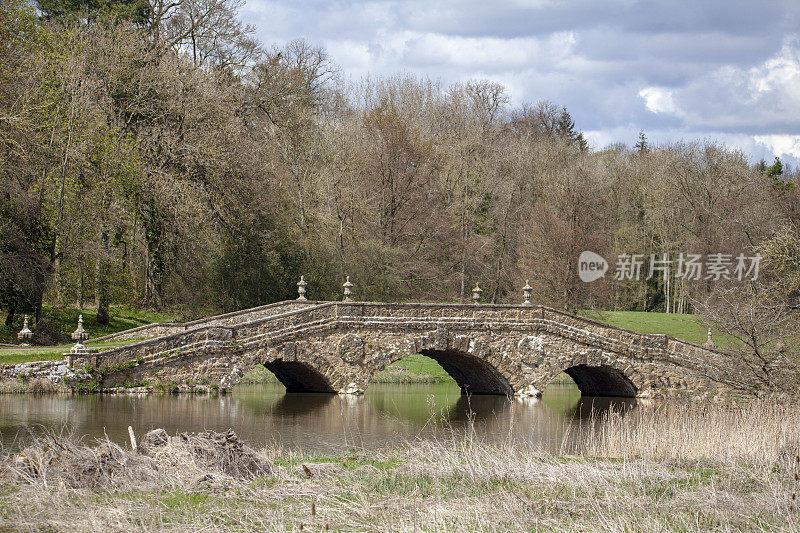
[(763, 353)]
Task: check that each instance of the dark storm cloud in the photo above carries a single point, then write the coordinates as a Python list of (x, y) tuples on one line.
[(516, 19)]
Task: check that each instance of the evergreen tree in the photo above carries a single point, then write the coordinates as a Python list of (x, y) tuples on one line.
[(566, 126), (641, 145), (775, 171)]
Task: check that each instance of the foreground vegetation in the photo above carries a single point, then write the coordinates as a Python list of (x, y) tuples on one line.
[(686, 468)]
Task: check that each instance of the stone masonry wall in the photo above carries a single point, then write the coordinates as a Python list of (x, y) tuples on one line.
[(56, 371)]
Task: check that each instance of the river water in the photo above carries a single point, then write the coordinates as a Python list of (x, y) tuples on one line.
[(265, 415)]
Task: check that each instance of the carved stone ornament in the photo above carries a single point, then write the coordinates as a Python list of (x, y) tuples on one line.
[(351, 348)]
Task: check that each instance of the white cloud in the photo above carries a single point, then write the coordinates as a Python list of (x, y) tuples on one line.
[(781, 72), (658, 100), (760, 99), (486, 53), (781, 145)]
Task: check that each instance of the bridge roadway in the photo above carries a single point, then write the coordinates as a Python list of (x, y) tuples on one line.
[(339, 347)]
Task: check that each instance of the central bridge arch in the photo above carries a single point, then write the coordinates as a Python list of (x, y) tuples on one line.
[(473, 375)]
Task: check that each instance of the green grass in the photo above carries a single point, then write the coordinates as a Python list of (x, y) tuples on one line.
[(348, 462), (62, 321), (686, 327), (414, 365), (12, 356), (258, 375)]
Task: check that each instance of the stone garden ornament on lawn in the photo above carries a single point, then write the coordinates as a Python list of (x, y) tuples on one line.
[(80, 335), (25, 333)]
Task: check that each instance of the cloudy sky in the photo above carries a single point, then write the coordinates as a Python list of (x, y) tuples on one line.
[(684, 69)]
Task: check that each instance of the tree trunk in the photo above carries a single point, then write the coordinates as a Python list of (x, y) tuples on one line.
[(101, 293), (59, 296), (97, 284), (79, 296), (102, 307)]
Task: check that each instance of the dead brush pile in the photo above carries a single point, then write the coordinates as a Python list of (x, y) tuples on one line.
[(54, 460)]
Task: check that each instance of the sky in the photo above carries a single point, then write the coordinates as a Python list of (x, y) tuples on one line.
[(720, 70)]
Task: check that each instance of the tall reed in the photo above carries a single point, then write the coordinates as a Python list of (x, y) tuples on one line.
[(760, 431)]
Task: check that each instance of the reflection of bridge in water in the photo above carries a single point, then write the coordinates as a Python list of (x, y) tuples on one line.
[(386, 415), (340, 346), (393, 414)]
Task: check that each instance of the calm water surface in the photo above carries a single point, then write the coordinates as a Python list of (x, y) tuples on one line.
[(265, 414)]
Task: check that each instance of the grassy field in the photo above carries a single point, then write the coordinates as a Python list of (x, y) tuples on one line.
[(12, 356), (62, 321), (415, 368), (687, 327), (671, 468)]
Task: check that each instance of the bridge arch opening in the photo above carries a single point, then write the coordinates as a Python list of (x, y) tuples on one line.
[(473, 375), (601, 381), (298, 377)]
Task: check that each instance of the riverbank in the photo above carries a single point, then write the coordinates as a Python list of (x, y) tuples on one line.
[(667, 468)]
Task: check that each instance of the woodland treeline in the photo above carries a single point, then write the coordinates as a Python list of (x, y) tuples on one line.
[(154, 153)]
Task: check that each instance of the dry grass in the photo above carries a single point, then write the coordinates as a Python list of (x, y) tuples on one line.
[(32, 386), (757, 432), (739, 475)]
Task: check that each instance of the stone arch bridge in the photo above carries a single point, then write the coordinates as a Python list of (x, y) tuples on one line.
[(339, 347)]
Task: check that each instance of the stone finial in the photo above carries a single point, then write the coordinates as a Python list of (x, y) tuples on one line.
[(301, 288), (527, 290), (476, 294), (80, 334), (348, 290), (25, 333), (709, 342)]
